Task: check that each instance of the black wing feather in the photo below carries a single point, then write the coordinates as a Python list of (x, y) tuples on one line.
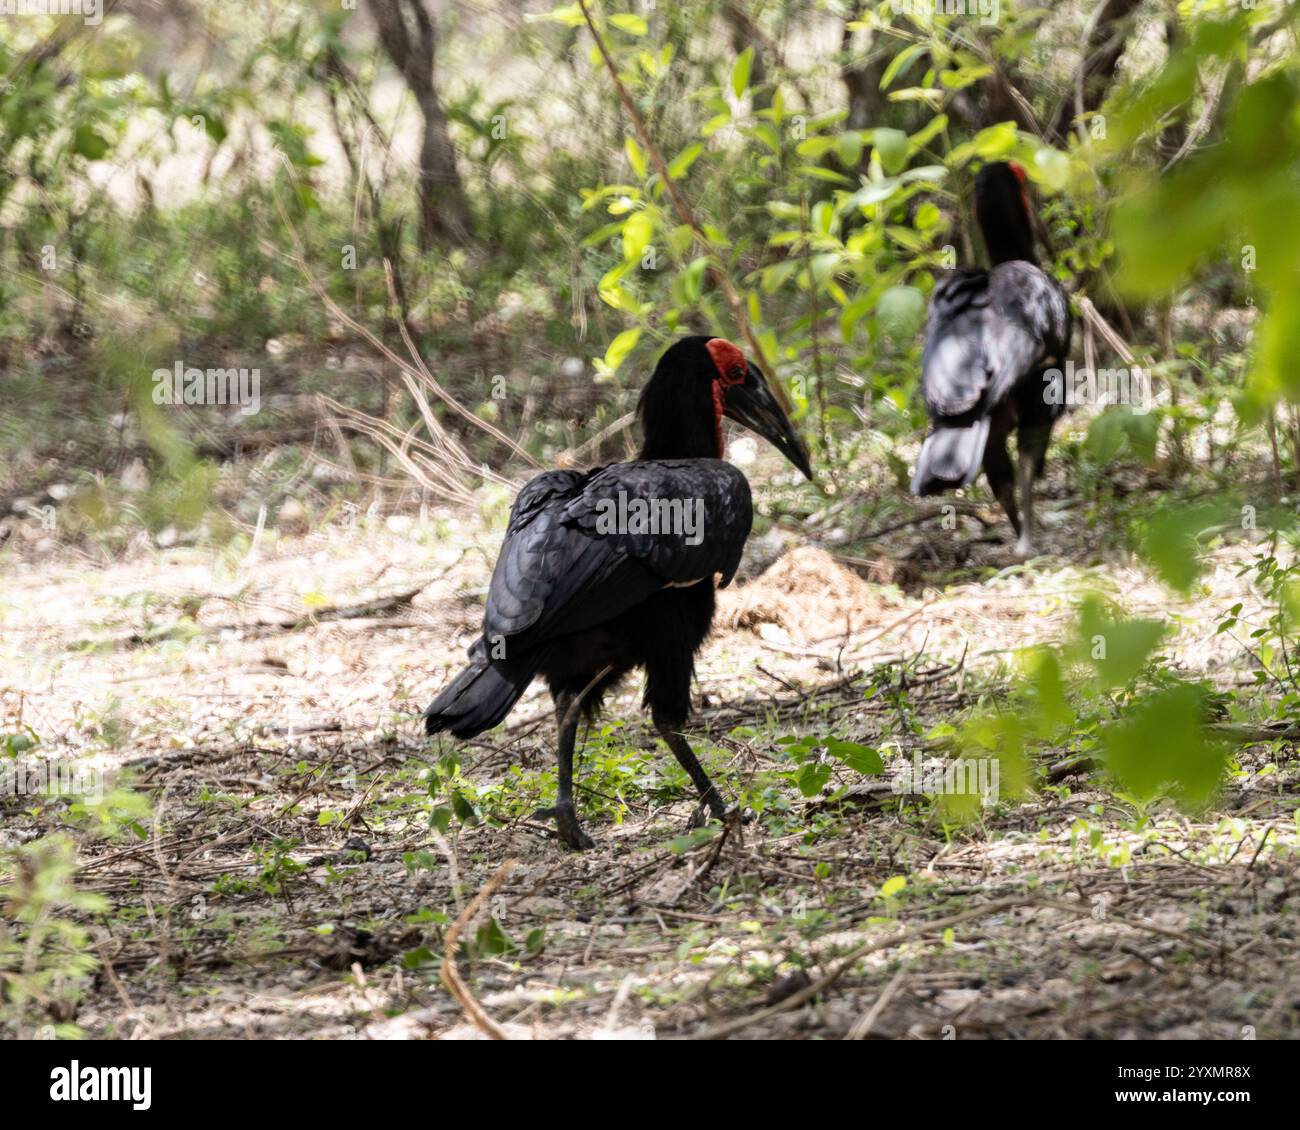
[(987, 332), (563, 569)]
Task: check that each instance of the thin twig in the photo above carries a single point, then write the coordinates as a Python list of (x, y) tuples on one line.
[(862, 1028), (451, 976)]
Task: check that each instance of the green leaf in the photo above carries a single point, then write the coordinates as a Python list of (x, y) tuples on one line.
[(463, 809), (1105, 436), (991, 144), (740, 72), (963, 77), (892, 886), (927, 133), (901, 62), (873, 193), (891, 147), (768, 135), (637, 233), (822, 217), (692, 279), (700, 836), (715, 123), (1164, 744), (818, 173), (860, 758), (634, 156), (1117, 649), (1051, 710), (89, 143), (849, 148), (1169, 544), (1277, 344), (492, 939), (1053, 168), (813, 778), (900, 311), (620, 347), (570, 15), (815, 147), (679, 165), (630, 23), (784, 210)]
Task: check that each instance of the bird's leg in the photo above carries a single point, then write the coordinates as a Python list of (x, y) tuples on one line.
[(1002, 479), (710, 798), (564, 814), (1030, 447), (1025, 489)]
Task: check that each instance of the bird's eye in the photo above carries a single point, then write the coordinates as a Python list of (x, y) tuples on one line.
[(737, 373)]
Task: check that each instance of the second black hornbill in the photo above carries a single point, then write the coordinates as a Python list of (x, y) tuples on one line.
[(608, 570), (990, 338)]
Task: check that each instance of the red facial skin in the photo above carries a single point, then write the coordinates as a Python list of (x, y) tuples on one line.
[(731, 367), (1021, 176)]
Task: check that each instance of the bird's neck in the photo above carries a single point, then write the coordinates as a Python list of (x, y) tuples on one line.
[(1006, 244), (687, 428), (1004, 222), (688, 443)]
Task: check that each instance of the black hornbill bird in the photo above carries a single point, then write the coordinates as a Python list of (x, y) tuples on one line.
[(990, 336), (604, 571)]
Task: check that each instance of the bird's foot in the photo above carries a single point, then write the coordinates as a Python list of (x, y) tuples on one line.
[(566, 823), (706, 810), (1024, 549), (700, 816), (738, 816)]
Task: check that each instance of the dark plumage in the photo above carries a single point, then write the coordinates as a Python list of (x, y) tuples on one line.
[(990, 335), (586, 588)]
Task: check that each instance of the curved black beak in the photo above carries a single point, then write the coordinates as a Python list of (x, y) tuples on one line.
[(751, 403)]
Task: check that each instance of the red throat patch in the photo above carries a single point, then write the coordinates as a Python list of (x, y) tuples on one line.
[(731, 367)]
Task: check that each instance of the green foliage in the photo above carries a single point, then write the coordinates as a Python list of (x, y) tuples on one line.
[(814, 759), (1115, 648), (1162, 744), (1272, 641), (1227, 198), (1169, 543), (45, 956)]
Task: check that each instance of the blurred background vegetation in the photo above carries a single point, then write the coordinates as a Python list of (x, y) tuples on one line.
[(223, 185), (453, 236)]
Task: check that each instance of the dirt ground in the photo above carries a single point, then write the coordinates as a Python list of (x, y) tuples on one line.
[(290, 883)]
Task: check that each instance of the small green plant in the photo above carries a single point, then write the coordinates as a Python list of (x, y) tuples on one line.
[(45, 956), (1273, 641), (276, 869), (815, 760)]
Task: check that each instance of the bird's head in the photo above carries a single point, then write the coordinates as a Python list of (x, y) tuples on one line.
[(1004, 212), (697, 382)]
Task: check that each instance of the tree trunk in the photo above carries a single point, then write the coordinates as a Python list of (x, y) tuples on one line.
[(867, 102), (1101, 56), (408, 35)]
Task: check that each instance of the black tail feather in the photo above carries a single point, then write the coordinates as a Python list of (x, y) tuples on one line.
[(951, 457), (483, 694)]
